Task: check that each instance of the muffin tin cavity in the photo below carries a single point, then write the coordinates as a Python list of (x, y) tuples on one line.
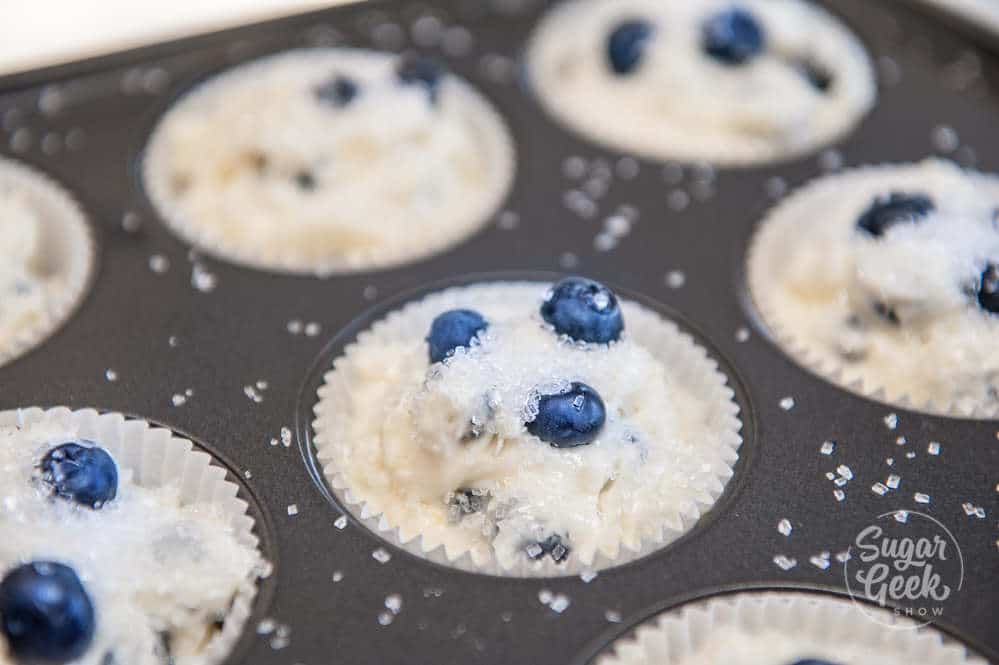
[(329, 160), (643, 430), (48, 257)]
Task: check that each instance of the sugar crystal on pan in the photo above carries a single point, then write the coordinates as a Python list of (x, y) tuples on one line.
[(893, 481), (919, 497), (933, 448), (784, 527), (787, 403), (827, 447), (784, 562), (381, 556)]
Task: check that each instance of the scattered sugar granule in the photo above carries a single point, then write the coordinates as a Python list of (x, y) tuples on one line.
[(830, 475), (341, 522), (286, 437), (841, 481), (902, 516), (381, 556), (787, 403), (889, 461), (615, 617), (111, 375), (265, 627), (933, 448), (879, 489), (292, 510), (844, 471), (393, 603), (295, 327), (742, 335), (178, 400), (159, 264), (891, 421), (819, 561), (312, 329), (785, 563), (588, 576), (337, 576), (893, 481), (675, 279), (839, 494), (784, 527), (910, 455), (385, 618), (827, 447), (560, 603), (843, 556), (919, 497), (901, 441), (545, 596)]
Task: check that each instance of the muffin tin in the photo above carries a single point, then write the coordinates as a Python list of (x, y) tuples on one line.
[(251, 347)]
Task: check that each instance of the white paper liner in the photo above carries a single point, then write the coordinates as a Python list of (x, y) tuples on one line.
[(687, 361), (157, 457), (68, 252), (776, 235), (841, 51), (434, 241), (677, 635)]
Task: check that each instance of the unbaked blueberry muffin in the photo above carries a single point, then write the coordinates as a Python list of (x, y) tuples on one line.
[(107, 564), (329, 160), (702, 80), (887, 280), (525, 429)]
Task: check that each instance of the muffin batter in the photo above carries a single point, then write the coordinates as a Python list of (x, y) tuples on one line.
[(329, 160), (702, 80), (528, 443), (887, 276), (161, 574)]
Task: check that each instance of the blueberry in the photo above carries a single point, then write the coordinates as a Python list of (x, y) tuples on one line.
[(423, 72), (896, 208), (454, 328), (988, 289), (305, 180), (732, 36), (818, 76), (626, 45), (553, 546), (81, 472), (584, 310), (45, 613), (571, 418), (338, 91)]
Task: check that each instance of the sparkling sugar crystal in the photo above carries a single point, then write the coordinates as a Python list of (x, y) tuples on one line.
[(902, 516), (785, 563), (879, 489), (933, 448), (341, 522), (891, 421), (919, 497), (560, 603), (612, 617), (742, 335), (819, 561), (292, 510), (827, 447), (787, 403), (381, 556), (839, 494), (393, 603), (784, 527), (893, 481), (844, 471)]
